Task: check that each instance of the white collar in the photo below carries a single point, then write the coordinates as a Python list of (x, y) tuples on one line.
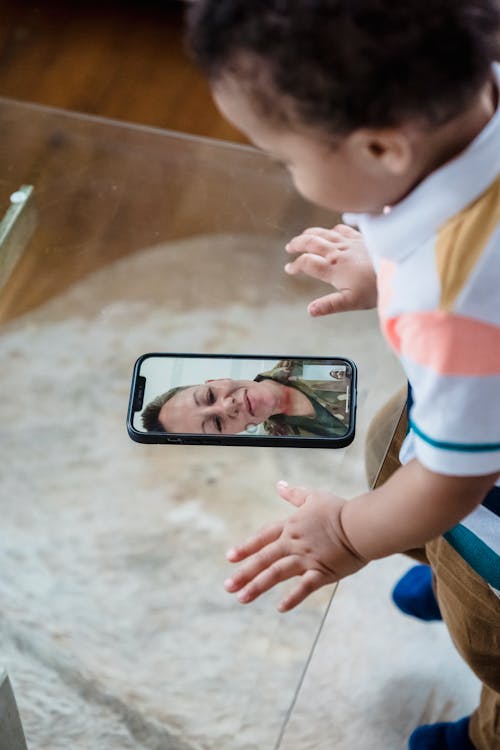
[(441, 195)]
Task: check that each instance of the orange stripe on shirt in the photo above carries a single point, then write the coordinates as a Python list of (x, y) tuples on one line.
[(446, 343)]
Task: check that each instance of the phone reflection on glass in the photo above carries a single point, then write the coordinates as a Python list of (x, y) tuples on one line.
[(243, 400)]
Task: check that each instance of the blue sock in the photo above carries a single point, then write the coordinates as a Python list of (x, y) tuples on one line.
[(413, 594), (442, 736)]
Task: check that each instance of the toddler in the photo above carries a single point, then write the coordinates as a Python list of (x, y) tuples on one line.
[(389, 113)]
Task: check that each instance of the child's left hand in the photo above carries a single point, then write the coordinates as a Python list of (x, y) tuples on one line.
[(310, 543)]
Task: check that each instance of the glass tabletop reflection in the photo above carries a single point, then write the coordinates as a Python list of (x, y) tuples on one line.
[(117, 240)]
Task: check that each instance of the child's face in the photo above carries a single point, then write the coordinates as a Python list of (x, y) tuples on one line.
[(355, 176)]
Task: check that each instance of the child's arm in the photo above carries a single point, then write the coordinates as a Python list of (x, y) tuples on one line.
[(339, 257), (414, 506), (329, 538)]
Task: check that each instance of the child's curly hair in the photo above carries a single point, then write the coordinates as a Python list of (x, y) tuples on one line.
[(344, 64)]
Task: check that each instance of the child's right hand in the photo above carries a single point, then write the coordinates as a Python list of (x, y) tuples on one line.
[(339, 257), (310, 543)]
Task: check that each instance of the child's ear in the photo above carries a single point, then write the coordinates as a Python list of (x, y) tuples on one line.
[(389, 148)]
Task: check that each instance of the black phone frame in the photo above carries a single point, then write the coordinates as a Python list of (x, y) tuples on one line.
[(275, 441)]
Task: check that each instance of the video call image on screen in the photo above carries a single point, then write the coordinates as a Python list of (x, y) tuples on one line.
[(240, 396)]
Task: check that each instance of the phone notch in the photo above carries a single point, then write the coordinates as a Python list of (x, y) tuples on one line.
[(139, 393)]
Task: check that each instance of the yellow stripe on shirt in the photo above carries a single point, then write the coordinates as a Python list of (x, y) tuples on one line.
[(462, 240)]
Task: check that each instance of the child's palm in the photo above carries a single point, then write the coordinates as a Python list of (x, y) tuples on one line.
[(339, 257), (309, 544)]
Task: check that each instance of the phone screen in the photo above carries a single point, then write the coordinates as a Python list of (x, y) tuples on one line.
[(243, 400)]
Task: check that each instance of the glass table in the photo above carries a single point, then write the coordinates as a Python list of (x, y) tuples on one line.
[(117, 240)]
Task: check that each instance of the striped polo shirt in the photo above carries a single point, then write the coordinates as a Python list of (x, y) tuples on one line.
[(437, 257)]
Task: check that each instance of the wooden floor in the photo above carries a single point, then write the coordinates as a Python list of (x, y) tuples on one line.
[(123, 60)]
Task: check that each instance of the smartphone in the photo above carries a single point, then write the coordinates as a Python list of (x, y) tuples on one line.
[(243, 399)]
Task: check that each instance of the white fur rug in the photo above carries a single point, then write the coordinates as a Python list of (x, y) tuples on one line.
[(115, 628)]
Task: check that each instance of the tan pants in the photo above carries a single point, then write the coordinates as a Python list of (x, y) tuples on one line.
[(470, 610)]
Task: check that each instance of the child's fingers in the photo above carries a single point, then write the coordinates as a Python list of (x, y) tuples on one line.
[(331, 303), (334, 233), (320, 231), (258, 562), (281, 570), (265, 536), (311, 243), (294, 495), (309, 582), (315, 235), (311, 265), (347, 231), (325, 234)]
